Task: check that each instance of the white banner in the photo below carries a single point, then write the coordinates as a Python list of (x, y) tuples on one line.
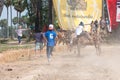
[(118, 11)]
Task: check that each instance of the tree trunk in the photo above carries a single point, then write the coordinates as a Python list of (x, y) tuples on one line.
[(1, 6), (40, 14), (11, 22), (50, 11), (17, 18), (7, 22), (38, 21)]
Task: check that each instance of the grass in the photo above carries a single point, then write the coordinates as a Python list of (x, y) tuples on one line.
[(5, 47)]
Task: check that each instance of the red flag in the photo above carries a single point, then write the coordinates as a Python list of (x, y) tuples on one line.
[(118, 11), (111, 5)]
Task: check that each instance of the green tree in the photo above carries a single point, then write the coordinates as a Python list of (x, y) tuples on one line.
[(3, 25), (45, 12), (38, 6), (7, 3), (19, 6), (25, 20), (15, 20), (1, 6)]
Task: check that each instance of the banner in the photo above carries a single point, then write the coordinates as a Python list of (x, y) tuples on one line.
[(112, 13), (71, 12), (118, 11)]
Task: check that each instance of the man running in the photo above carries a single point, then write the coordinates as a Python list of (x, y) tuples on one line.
[(50, 37)]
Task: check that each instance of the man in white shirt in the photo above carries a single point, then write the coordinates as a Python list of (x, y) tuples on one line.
[(80, 32), (19, 33), (79, 29)]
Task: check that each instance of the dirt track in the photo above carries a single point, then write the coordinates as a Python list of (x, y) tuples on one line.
[(66, 66)]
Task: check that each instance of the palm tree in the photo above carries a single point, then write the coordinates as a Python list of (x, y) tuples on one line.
[(43, 8), (11, 21), (15, 20), (1, 6), (3, 25), (7, 4), (3, 22), (19, 6)]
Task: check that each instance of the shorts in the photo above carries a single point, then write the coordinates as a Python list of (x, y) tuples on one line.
[(38, 45)]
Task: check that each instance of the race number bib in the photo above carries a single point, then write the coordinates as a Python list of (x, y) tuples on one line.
[(51, 36)]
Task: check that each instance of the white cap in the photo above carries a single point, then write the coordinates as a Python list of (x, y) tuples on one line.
[(51, 26)]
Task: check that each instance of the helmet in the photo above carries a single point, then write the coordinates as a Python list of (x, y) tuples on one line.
[(81, 23)]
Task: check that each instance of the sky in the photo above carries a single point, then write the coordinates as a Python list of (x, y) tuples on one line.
[(4, 13)]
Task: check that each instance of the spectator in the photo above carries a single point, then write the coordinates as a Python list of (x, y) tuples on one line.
[(102, 24), (93, 29), (96, 25), (19, 33), (45, 28), (108, 25), (38, 41)]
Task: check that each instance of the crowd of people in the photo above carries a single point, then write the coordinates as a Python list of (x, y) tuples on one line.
[(47, 37), (104, 25)]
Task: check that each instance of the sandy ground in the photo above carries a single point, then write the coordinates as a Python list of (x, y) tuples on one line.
[(66, 66)]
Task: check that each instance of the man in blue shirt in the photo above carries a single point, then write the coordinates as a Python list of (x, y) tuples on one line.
[(50, 37)]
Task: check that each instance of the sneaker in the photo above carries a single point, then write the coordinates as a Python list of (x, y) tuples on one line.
[(49, 60)]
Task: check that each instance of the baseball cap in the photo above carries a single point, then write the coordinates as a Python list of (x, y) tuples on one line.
[(51, 27)]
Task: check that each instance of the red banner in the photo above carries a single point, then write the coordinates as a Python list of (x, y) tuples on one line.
[(111, 5), (118, 11)]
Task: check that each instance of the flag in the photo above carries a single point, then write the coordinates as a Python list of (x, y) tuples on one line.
[(111, 6), (118, 11)]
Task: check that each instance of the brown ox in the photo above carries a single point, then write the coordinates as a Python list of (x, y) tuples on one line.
[(64, 37), (84, 40)]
